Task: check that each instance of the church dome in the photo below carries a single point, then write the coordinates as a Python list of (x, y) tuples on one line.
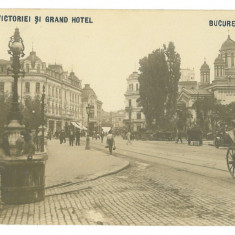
[(133, 76), (229, 44), (205, 66), (219, 60)]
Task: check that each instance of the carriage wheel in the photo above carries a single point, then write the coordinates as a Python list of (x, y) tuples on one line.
[(231, 161)]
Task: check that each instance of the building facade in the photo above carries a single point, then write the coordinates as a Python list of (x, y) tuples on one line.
[(118, 118), (134, 117), (95, 118), (223, 85), (63, 90)]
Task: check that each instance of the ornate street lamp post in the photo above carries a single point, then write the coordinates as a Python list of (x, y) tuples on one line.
[(89, 110), (16, 49), (43, 117), (22, 177)]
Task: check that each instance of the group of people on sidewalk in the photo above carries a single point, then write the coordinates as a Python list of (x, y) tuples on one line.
[(73, 135)]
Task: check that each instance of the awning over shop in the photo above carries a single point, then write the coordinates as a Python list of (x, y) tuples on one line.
[(79, 125), (76, 125)]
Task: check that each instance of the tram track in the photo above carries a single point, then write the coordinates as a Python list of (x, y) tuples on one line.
[(155, 156)]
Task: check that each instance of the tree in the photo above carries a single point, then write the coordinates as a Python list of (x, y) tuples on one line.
[(159, 76), (31, 112), (209, 111), (5, 105), (173, 61)]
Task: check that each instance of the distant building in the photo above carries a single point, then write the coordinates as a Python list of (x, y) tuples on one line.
[(106, 119), (95, 119), (134, 117), (187, 79), (117, 118)]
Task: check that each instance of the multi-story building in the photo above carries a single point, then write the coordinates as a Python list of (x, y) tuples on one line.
[(63, 91), (134, 117), (95, 118)]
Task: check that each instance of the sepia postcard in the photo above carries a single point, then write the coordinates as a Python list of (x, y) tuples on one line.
[(117, 117)]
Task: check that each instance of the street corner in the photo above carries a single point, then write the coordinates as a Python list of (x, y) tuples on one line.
[(75, 164), (103, 164)]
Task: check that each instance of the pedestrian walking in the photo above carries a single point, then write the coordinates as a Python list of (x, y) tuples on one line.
[(179, 136), (102, 135), (128, 136), (110, 142), (78, 135), (61, 137), (98, 136), (71, 137)]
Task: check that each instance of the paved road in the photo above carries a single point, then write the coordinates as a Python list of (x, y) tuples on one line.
[(166, 184)]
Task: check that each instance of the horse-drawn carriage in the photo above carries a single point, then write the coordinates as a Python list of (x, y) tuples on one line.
[(194, 135), (223, 139), (230, 156)]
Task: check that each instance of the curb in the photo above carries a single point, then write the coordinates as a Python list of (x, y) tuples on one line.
[(68, 184), (111, 172)]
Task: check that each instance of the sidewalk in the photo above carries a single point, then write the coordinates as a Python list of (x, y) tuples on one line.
[(73, 163)]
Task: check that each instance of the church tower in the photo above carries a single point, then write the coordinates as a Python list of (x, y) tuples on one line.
[(219, 66), (205, 74)]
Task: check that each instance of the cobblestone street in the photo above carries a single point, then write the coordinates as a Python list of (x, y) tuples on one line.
[(143, 194)]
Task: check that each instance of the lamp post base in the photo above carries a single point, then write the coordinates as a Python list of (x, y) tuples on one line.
[(14, 128), (88, 143)]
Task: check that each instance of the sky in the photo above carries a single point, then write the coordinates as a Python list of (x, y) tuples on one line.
[(104, 53)]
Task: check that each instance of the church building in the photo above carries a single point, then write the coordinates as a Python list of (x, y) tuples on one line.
[(222, 86)]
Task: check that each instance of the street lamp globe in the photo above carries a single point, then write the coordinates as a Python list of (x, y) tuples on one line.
[(16, 44), (16, 48)]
